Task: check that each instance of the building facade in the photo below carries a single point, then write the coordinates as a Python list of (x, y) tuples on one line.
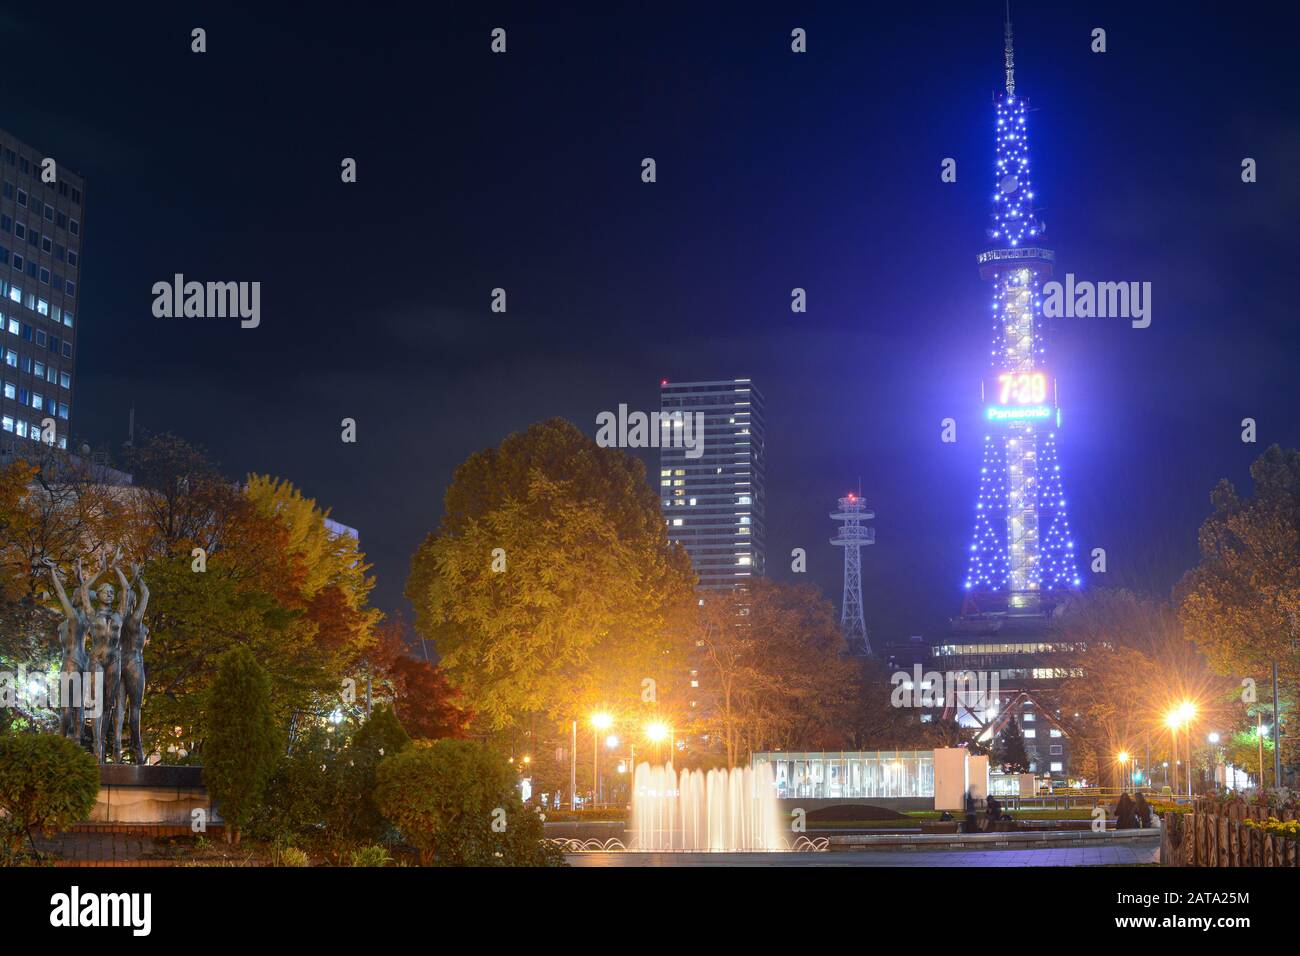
[(40, 266), (714, 502)]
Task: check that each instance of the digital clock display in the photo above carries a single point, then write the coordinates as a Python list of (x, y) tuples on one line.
[(1019, 397), (1020, 388)]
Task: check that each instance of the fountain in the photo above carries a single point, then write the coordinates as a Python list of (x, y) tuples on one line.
[(723, 810)]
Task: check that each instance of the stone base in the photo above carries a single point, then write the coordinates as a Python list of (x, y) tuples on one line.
[(151, 795)]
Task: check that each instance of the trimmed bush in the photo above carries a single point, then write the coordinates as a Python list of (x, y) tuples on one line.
[(323, 792), (456, 802), (354, 812), (371, 856), (299, 792), (45, 781), (243, 742)]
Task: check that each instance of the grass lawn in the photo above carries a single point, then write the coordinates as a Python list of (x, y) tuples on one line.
[(916, 818)]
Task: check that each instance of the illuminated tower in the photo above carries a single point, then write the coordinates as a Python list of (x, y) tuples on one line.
[(1022, 553), (852, 536)]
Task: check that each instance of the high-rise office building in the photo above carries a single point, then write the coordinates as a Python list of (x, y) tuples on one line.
[(713, 496), (40, 266)]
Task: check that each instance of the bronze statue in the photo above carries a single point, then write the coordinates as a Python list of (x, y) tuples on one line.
[(105, 653), (130, 695), (72, 636)]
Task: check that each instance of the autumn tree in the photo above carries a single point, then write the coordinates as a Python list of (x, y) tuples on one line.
[(550, 579), (53, 507), (1128, 663), (1241, 603), (772, 670), (257, 566), (419, 692), (877, 723)]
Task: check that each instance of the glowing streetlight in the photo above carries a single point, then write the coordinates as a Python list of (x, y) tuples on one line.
[(657, 732), (611, 741), (1177, 717), (600, 720)]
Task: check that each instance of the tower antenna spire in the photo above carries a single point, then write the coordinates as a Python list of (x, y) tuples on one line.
[(1010, 54)]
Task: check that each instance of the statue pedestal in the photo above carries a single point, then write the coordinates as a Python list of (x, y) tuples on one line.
[(150, 794)]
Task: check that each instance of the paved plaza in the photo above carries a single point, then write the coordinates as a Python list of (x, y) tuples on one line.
[(1127, 854)]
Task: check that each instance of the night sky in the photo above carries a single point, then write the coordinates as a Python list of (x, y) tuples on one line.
[(775, 170)]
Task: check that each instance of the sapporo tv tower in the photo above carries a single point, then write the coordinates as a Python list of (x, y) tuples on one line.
[(1022, 555)]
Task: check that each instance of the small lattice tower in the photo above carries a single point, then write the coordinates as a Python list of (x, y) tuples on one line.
[(853, 534)]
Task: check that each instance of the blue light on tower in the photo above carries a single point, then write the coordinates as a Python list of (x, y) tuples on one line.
[(1022, 551)]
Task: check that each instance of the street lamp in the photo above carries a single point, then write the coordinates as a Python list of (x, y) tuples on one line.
[(1184, 713), (1187, 710), (599, 721), (1261, 730), (1172, 722), (1122, 759), (656, 732)]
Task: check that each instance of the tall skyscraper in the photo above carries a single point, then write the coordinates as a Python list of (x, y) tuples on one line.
[(715, 503), (40, 266)]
